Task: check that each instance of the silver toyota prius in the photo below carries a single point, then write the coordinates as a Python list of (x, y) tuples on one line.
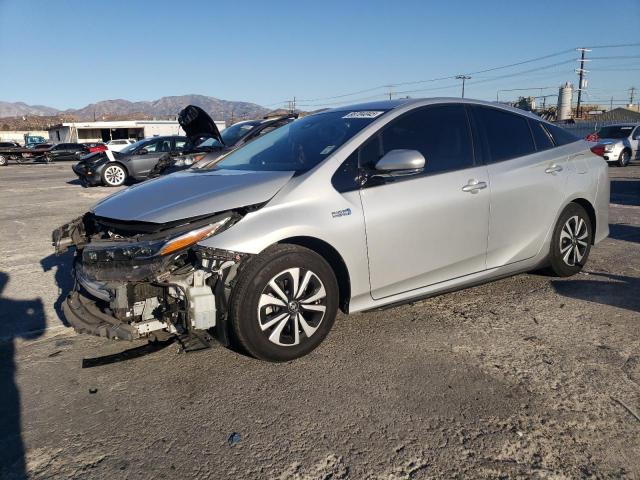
[(353, 208)]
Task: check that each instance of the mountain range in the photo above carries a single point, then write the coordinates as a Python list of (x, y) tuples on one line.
[(120, 109)]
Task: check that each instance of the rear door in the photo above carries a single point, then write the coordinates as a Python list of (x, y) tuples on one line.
[(429, 227), (527, 179)]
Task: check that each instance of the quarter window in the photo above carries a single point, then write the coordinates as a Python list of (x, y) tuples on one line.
[(560, 135), (540, 136), (441, 133), (503, 135)]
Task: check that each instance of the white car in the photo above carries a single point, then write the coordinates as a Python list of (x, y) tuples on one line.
[(117, 145)]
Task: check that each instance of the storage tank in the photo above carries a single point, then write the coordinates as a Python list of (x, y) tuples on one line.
[(565, 96)]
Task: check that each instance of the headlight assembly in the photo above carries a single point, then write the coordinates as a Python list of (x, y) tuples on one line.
[(609, 147), (144, 250), (191, 238)]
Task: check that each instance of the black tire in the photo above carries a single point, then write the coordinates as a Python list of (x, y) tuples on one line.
[(114, 175), (624, 159), (569, 250), (4, 160), (254, 322)]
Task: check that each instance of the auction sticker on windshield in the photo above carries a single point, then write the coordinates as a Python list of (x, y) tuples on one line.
[(364, 114)]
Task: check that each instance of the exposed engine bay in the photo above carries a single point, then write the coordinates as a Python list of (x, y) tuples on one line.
[(138, 279)]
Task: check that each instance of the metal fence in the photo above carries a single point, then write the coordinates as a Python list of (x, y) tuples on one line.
[(582, 129)]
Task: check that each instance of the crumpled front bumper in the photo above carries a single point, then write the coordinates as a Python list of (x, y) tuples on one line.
[(91, 175), (84, 316)]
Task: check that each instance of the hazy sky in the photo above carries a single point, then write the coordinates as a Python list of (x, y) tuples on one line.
[(66, 54)]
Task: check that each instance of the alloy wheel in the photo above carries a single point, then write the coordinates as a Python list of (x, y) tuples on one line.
[(114, 175), (292, 306), (573, 240)]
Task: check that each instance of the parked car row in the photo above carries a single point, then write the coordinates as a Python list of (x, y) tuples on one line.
[(53, 152), (158, 156)]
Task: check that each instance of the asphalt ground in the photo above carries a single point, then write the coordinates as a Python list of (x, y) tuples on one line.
[(526, 377)]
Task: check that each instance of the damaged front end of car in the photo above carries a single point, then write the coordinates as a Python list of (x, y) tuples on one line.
[(138, 279)]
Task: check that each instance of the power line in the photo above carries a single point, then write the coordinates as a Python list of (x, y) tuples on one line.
[(389, 87), (448, 77), (615, 46)]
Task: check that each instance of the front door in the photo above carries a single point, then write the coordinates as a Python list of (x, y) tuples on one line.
[(430, 227), (155, 149)]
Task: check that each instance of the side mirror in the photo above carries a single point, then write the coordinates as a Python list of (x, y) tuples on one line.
[(403, 162), (142, 151)]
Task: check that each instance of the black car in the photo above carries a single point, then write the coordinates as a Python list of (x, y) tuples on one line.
[(66, 151), (210, 143), (134, 162)]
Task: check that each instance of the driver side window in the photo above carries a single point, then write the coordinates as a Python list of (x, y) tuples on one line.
[(151, 147), (440, 132)]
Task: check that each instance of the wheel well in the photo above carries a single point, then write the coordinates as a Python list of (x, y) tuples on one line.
[(119, 164), (334, 259), (590, 211)]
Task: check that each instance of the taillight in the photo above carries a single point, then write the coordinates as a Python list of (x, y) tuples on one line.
[(592, 137), (598, 150)]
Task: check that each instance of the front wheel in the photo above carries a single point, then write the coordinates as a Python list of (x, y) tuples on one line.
[(4, 160), (571, 241), (284, 303), (114, 175), (624, 159)]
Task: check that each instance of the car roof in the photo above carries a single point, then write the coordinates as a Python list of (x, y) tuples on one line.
[(380, 105), (389, 105)]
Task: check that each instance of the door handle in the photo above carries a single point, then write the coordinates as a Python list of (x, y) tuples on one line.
[(553, 169), (474, 186)]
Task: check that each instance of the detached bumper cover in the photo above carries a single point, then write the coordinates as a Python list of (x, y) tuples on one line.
[(88, 174), (84, 316)]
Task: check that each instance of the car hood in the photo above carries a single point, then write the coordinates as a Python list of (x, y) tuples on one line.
[(191, 193), (196, 123)]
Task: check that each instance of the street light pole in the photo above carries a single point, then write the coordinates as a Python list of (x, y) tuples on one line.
[(463, 78)]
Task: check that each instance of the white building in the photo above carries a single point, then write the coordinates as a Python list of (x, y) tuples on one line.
[(86, 132)]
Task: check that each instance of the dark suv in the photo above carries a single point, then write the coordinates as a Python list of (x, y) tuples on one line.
[(131, 163), (66, 151)]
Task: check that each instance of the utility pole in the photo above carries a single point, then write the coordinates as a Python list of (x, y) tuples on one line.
[(632, 92), (581, 83), (463, 78), (611, 104)]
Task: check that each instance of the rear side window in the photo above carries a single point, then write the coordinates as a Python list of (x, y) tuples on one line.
[(503, 135), (441, 133), (540, 136), (560, 135)]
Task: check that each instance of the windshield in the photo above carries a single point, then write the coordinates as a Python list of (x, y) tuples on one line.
[(231, 135), (133, 146), (615, 132), (297, 146)]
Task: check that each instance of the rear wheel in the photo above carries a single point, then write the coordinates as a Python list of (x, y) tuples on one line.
[(3, 160), (284, 303), (571, 241), (114, 175), (624, 159)]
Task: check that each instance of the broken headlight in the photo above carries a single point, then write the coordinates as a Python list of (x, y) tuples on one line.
[(187, 160), (143, 250)]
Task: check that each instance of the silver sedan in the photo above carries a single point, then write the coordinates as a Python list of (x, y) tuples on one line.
[(355, 208)]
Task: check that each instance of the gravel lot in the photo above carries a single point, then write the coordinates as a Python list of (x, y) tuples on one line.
[(526, 377)]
